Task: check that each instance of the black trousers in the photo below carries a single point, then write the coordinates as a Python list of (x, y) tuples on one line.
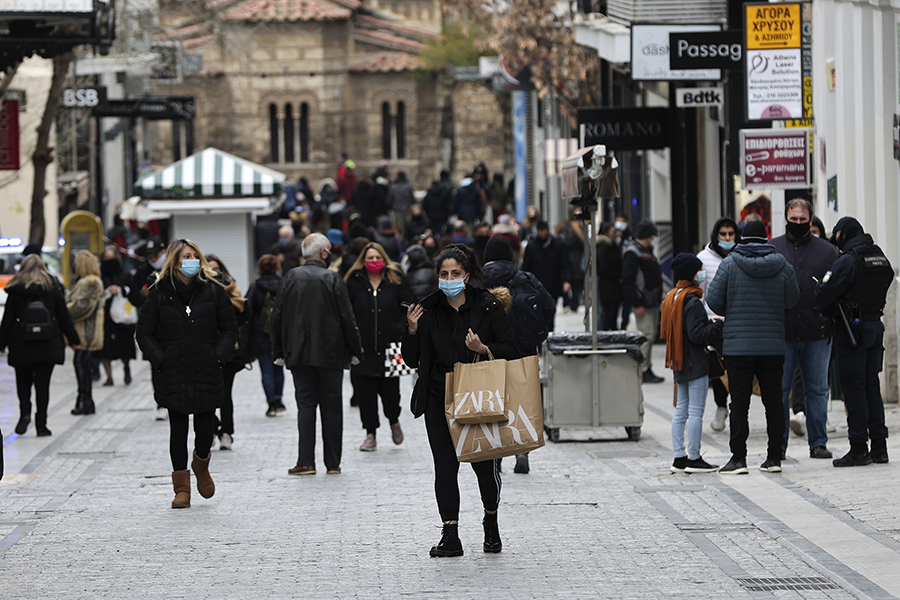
[(83, 374), (768, 370), (367, 390), (446, 466), (226, 424), (319, 388), (720, 392), (37, 375), (204, 430), (858, 369), (608, 322)]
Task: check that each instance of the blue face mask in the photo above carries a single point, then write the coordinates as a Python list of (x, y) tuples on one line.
[(190, 266), (452, 288), (726, 246), (701, 277)]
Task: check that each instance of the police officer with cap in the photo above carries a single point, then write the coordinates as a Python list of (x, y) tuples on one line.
[(855, 289)]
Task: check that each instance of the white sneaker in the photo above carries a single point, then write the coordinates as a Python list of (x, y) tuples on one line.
[(225, 441), (718, 422), (798, 424), (162, 414)]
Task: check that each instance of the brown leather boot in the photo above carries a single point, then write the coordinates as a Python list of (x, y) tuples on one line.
[(181, 481), (205, 484)]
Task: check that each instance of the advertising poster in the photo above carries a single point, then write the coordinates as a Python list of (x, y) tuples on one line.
[(774, 61), (650, 54), (775, 159), (521, 159)]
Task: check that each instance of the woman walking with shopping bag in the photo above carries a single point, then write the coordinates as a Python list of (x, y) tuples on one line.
[(375, 286), (85, 302), (121, 316), (458, 323), (187, 330)]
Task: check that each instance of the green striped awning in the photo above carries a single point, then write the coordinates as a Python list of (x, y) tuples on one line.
[(211, 174)]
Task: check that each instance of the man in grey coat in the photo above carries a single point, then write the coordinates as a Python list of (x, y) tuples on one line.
[(314, 334), (753, 288)]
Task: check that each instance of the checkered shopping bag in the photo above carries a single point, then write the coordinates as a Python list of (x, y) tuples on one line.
[(393, 362)]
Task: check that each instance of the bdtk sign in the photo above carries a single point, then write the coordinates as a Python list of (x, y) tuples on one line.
[(696, 97), (775, 159)]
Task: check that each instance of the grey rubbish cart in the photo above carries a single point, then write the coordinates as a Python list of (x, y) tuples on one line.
[(593, 387)]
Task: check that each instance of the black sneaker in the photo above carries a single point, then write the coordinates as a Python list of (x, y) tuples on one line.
[(272, 410), (651, 377), (771, 466), (735, 466), (679, 465), (522, 466), (820, 452), (853, 460), (698, 465), (878, 456)]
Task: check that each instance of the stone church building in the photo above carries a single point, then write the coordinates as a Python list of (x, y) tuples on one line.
[(293, 83)]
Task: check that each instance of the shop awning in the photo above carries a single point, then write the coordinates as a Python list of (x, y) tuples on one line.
[(211, 173)]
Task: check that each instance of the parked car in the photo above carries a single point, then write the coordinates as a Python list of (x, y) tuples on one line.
[(11, 257)]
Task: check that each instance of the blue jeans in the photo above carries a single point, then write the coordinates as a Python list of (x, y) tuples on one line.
[(813, 358), (691, 402), (272, 377)]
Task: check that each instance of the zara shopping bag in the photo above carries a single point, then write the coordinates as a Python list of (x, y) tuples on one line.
[(478, 391), (521, 431)]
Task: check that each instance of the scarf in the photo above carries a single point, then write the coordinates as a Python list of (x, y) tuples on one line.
[(672, 322)]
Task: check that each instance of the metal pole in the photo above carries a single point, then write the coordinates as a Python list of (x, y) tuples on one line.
[(593, 251)]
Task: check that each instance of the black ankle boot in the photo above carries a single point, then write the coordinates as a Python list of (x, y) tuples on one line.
[(492, 541), (127, 370), (857, 457), (879, 451), (449, 544), (22, 425)]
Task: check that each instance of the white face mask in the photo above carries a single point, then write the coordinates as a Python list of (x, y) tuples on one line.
[(159, 262)]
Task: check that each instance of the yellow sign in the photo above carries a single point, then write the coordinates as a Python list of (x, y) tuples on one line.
[(82, 230), (773, 26)]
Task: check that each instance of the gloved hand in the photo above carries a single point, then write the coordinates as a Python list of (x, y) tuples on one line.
[(354, 360)]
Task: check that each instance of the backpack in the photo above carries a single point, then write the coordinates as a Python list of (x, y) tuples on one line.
[(265, 317), (37, 326), (242, 346), (527, 312)]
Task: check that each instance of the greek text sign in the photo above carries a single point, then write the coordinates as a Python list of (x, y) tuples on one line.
[(774, 61), (775, 158), (772, 26), (650, 54)]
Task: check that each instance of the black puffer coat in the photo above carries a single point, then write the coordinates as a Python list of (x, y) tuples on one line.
[(187, 351), (25, 354), (489, 321), (379, 318), (421, 278), (256, 296)]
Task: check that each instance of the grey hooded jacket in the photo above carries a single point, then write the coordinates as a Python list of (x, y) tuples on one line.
[(752, 288)]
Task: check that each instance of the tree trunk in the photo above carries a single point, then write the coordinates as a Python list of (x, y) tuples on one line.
[(43, 153), (6, 81)]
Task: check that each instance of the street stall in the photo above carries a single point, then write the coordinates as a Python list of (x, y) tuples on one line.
[(591, 379), (213, 198)]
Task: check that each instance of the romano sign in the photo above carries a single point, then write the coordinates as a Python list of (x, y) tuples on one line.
[(775, 159), (625, 128)]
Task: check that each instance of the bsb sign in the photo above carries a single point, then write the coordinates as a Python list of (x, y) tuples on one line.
[(625, 128)]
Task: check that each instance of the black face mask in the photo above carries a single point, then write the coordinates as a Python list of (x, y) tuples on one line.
[(798, 230), (110, 267)]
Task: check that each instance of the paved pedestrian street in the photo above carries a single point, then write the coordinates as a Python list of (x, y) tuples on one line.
[(86, 513)]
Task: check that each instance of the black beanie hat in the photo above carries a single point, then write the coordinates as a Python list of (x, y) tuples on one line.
[(754, 232), (646, 229), (498, 248), (685, 266), (32, 248)]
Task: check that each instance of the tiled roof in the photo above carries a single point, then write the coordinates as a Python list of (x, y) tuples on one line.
[(387, 62), (351, 4), (382, 24), (386, 40), (198, 41), (255, 11), (183, 32)]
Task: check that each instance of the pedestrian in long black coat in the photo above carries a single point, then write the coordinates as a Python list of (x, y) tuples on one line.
[(34, 360), (548, 259), (421, 278), (118, 340), (187, 330)]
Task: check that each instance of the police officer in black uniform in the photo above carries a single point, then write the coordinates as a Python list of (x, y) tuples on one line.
[(854, 289)]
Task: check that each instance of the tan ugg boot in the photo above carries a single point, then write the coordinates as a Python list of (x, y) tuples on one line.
[(181, 481), (205, 484)]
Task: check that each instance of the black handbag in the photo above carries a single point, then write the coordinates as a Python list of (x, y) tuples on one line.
[(716, 364)]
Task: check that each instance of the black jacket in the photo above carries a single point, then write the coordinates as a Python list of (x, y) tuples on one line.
[(25, 354), (845, 272), (499, 273), (312, 322), (490, 322), (421, 278), (256, 297), (699, 332), (549, 261), (811, 258), (438, 205), (379, 318), (641, 275), (187, 352), (609, 270)]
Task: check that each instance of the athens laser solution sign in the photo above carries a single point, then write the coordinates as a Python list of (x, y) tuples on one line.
[(773, 61), (775, 158)]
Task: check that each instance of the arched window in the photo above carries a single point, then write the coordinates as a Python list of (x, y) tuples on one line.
[(288, 133), (386, 127), (400, 129), (304, 132), (393, 131), (273, 133)]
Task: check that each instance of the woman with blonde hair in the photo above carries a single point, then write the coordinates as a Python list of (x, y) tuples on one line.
[(85, 302), (33, 325), (187, 330), (376, 289)]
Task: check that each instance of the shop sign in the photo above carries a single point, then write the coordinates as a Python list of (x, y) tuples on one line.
[(625, 128), (775, 159), (706, 50), (9, 136), (650, 54)]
